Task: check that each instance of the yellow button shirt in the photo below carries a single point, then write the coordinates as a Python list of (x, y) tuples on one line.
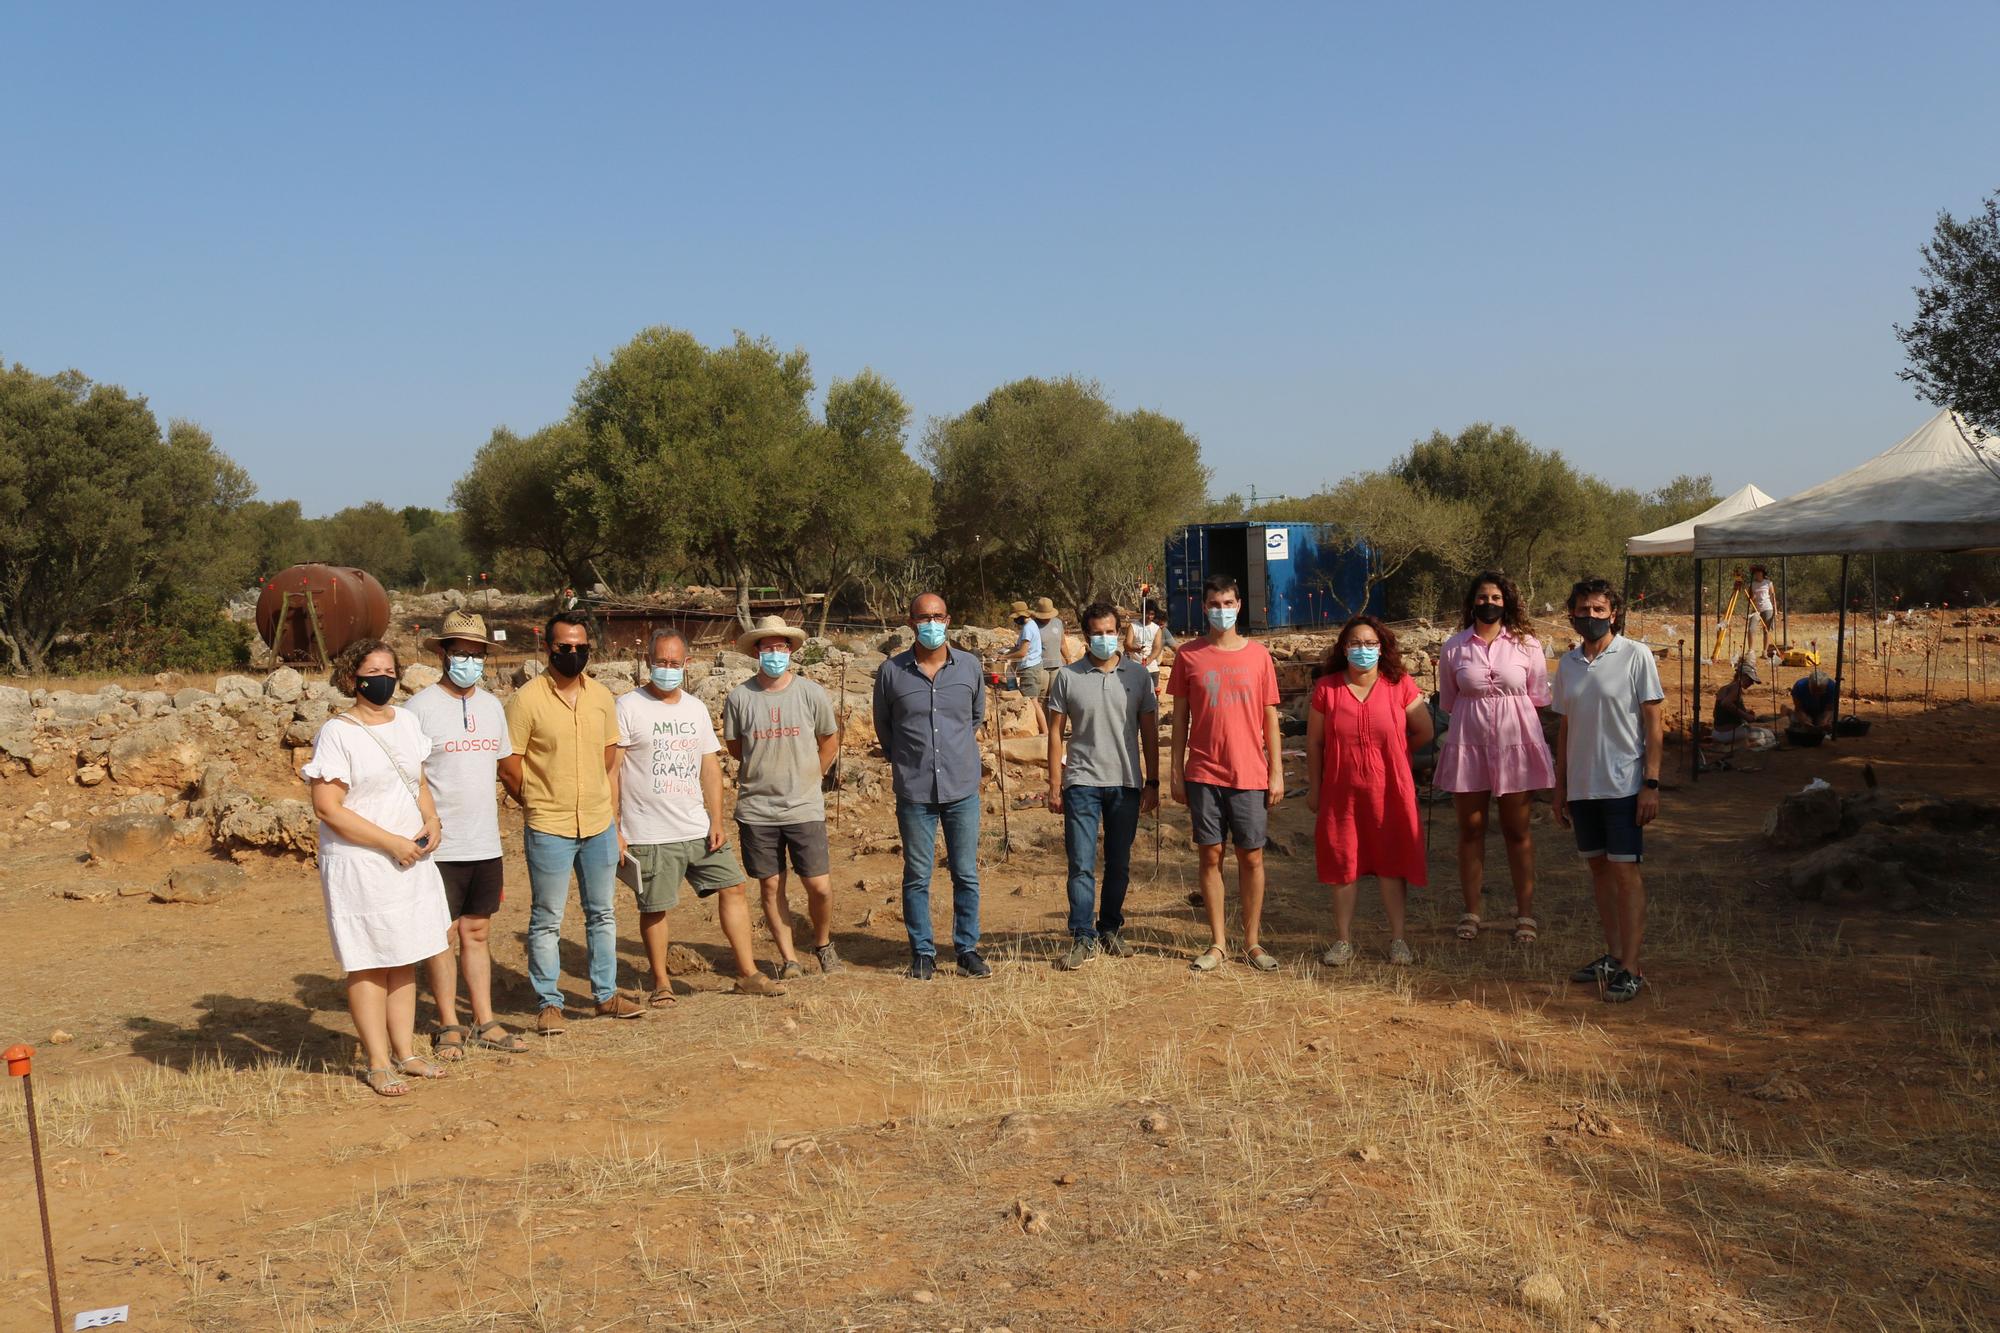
[(563, 782)]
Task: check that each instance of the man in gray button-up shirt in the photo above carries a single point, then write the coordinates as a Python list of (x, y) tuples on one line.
[(929, 703)]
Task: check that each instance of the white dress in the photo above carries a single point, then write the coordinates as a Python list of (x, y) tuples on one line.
[(379, 914)]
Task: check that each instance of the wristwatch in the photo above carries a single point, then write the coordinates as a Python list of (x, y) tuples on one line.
[(1652, 784), (1152, 782)]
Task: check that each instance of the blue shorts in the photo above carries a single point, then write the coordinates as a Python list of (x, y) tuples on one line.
[(1609, 829)]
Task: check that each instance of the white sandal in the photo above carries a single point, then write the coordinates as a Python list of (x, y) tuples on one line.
[(1524, 930), (1468, 926)]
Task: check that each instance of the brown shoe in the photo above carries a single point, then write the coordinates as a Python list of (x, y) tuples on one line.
[(758, 984), (619, 1007), (549, 1022)]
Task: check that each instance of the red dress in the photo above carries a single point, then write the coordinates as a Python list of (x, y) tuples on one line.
[(1367, 821)]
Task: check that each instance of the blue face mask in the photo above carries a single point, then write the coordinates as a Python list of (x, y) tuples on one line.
[(667, 679), (1364, 656), (774, 661), (465, 672), (1222, 617), (930, 633), (1104, 647)]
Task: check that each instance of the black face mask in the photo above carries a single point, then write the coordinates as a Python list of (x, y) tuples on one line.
[(1592, 628), (1488, 613), (569, 661), (377, 690)]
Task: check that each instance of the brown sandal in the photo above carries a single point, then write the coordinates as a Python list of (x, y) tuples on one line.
[(448, 1042), (662, 998), (513, 1043)]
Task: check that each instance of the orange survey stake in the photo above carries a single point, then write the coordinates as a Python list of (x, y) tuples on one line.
[(18, 1060)]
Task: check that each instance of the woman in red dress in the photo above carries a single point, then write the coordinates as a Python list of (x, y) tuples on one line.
[(1366, 716)]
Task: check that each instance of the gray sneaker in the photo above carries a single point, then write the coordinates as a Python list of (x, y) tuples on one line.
[(791, 971), (1113, 944), (829, 957), (1399, 954), (1079, 953), (1340, 955)]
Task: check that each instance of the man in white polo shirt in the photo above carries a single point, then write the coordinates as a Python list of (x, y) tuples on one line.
[(468, 731), (1608, 774)]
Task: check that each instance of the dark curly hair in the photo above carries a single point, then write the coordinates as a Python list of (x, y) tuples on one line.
[(1515, 621), (347, 665), (1391, 665)]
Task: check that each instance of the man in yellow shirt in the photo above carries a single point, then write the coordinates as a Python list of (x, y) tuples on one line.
[(564, 772)]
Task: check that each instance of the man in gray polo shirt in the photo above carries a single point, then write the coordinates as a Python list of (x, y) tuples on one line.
[(928, 705), (1608, 774), (1107, 701)]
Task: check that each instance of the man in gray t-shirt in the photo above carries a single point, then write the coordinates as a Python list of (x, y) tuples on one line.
[(1608, 748), (1050, 626), (1105, 702), (781, 730)]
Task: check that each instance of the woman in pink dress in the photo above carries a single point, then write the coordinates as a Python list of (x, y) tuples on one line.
[(1366, 715), (1492, 676)]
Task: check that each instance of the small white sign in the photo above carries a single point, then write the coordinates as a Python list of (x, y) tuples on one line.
[(499, 636), (115, 1314), (1277, 543)]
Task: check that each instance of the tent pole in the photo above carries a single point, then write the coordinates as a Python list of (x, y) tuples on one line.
[(1691, 721), (1785, 604), (1875, 607), (1840, 649)]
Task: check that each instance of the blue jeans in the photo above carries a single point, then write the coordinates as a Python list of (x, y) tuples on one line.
[(1084, 809), (551, 858), (918, 822)]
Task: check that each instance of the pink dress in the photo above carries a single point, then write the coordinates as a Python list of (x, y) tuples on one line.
[(1492, 691), (1367, 821)]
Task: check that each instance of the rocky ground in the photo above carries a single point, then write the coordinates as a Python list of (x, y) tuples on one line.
[(1797, 1126)]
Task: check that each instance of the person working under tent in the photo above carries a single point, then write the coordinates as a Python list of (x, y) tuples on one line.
[(1815, 702)]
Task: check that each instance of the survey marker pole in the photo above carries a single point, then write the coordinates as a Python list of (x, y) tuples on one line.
[(19, 1061)]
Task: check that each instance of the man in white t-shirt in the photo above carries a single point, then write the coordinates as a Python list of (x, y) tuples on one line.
[(670, 825), (1608, 749), (468, 732)]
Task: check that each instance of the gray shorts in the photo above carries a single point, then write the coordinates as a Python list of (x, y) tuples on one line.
[(1234, 812), (664, 865), (766, 848), (1034, 682)]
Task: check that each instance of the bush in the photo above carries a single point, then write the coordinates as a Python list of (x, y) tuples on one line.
[(185, 634)]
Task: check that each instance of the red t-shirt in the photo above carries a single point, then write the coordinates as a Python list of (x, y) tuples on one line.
[(1226, 693)]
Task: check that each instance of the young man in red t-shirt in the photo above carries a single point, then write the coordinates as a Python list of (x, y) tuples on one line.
[(1228, 769)]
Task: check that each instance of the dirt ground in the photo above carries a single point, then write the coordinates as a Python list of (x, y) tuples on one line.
[(1797, 1125)]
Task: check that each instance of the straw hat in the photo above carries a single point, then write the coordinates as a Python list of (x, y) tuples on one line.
[(467, 625), (770, 627), (1019, 612), (1045, 608)]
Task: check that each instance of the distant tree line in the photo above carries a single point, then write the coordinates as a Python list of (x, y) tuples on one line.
[(677, 462)]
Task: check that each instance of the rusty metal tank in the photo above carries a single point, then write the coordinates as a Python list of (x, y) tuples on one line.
[(309, 613)]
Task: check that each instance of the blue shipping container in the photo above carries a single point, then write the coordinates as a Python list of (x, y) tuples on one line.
[(1293, 575)]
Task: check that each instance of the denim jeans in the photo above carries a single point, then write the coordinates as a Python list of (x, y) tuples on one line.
[(1084, 809), (551, 858), (918, 822)]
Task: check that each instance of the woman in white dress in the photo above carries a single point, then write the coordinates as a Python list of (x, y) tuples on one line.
[(385, 904)]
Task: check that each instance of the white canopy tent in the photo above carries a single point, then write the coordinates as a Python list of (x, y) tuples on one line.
[(1936, 489), (1678, 538)]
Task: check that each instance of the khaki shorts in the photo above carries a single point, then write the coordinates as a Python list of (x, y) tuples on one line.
[(665, 864), (1034, 681)]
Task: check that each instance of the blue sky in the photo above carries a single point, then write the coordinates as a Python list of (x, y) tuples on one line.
[(351, 239)]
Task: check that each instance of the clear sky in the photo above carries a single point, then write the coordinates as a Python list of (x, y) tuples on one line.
[(351, 239)]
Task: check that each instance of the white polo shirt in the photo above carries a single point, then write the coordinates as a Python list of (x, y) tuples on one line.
[(1604, 701)]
